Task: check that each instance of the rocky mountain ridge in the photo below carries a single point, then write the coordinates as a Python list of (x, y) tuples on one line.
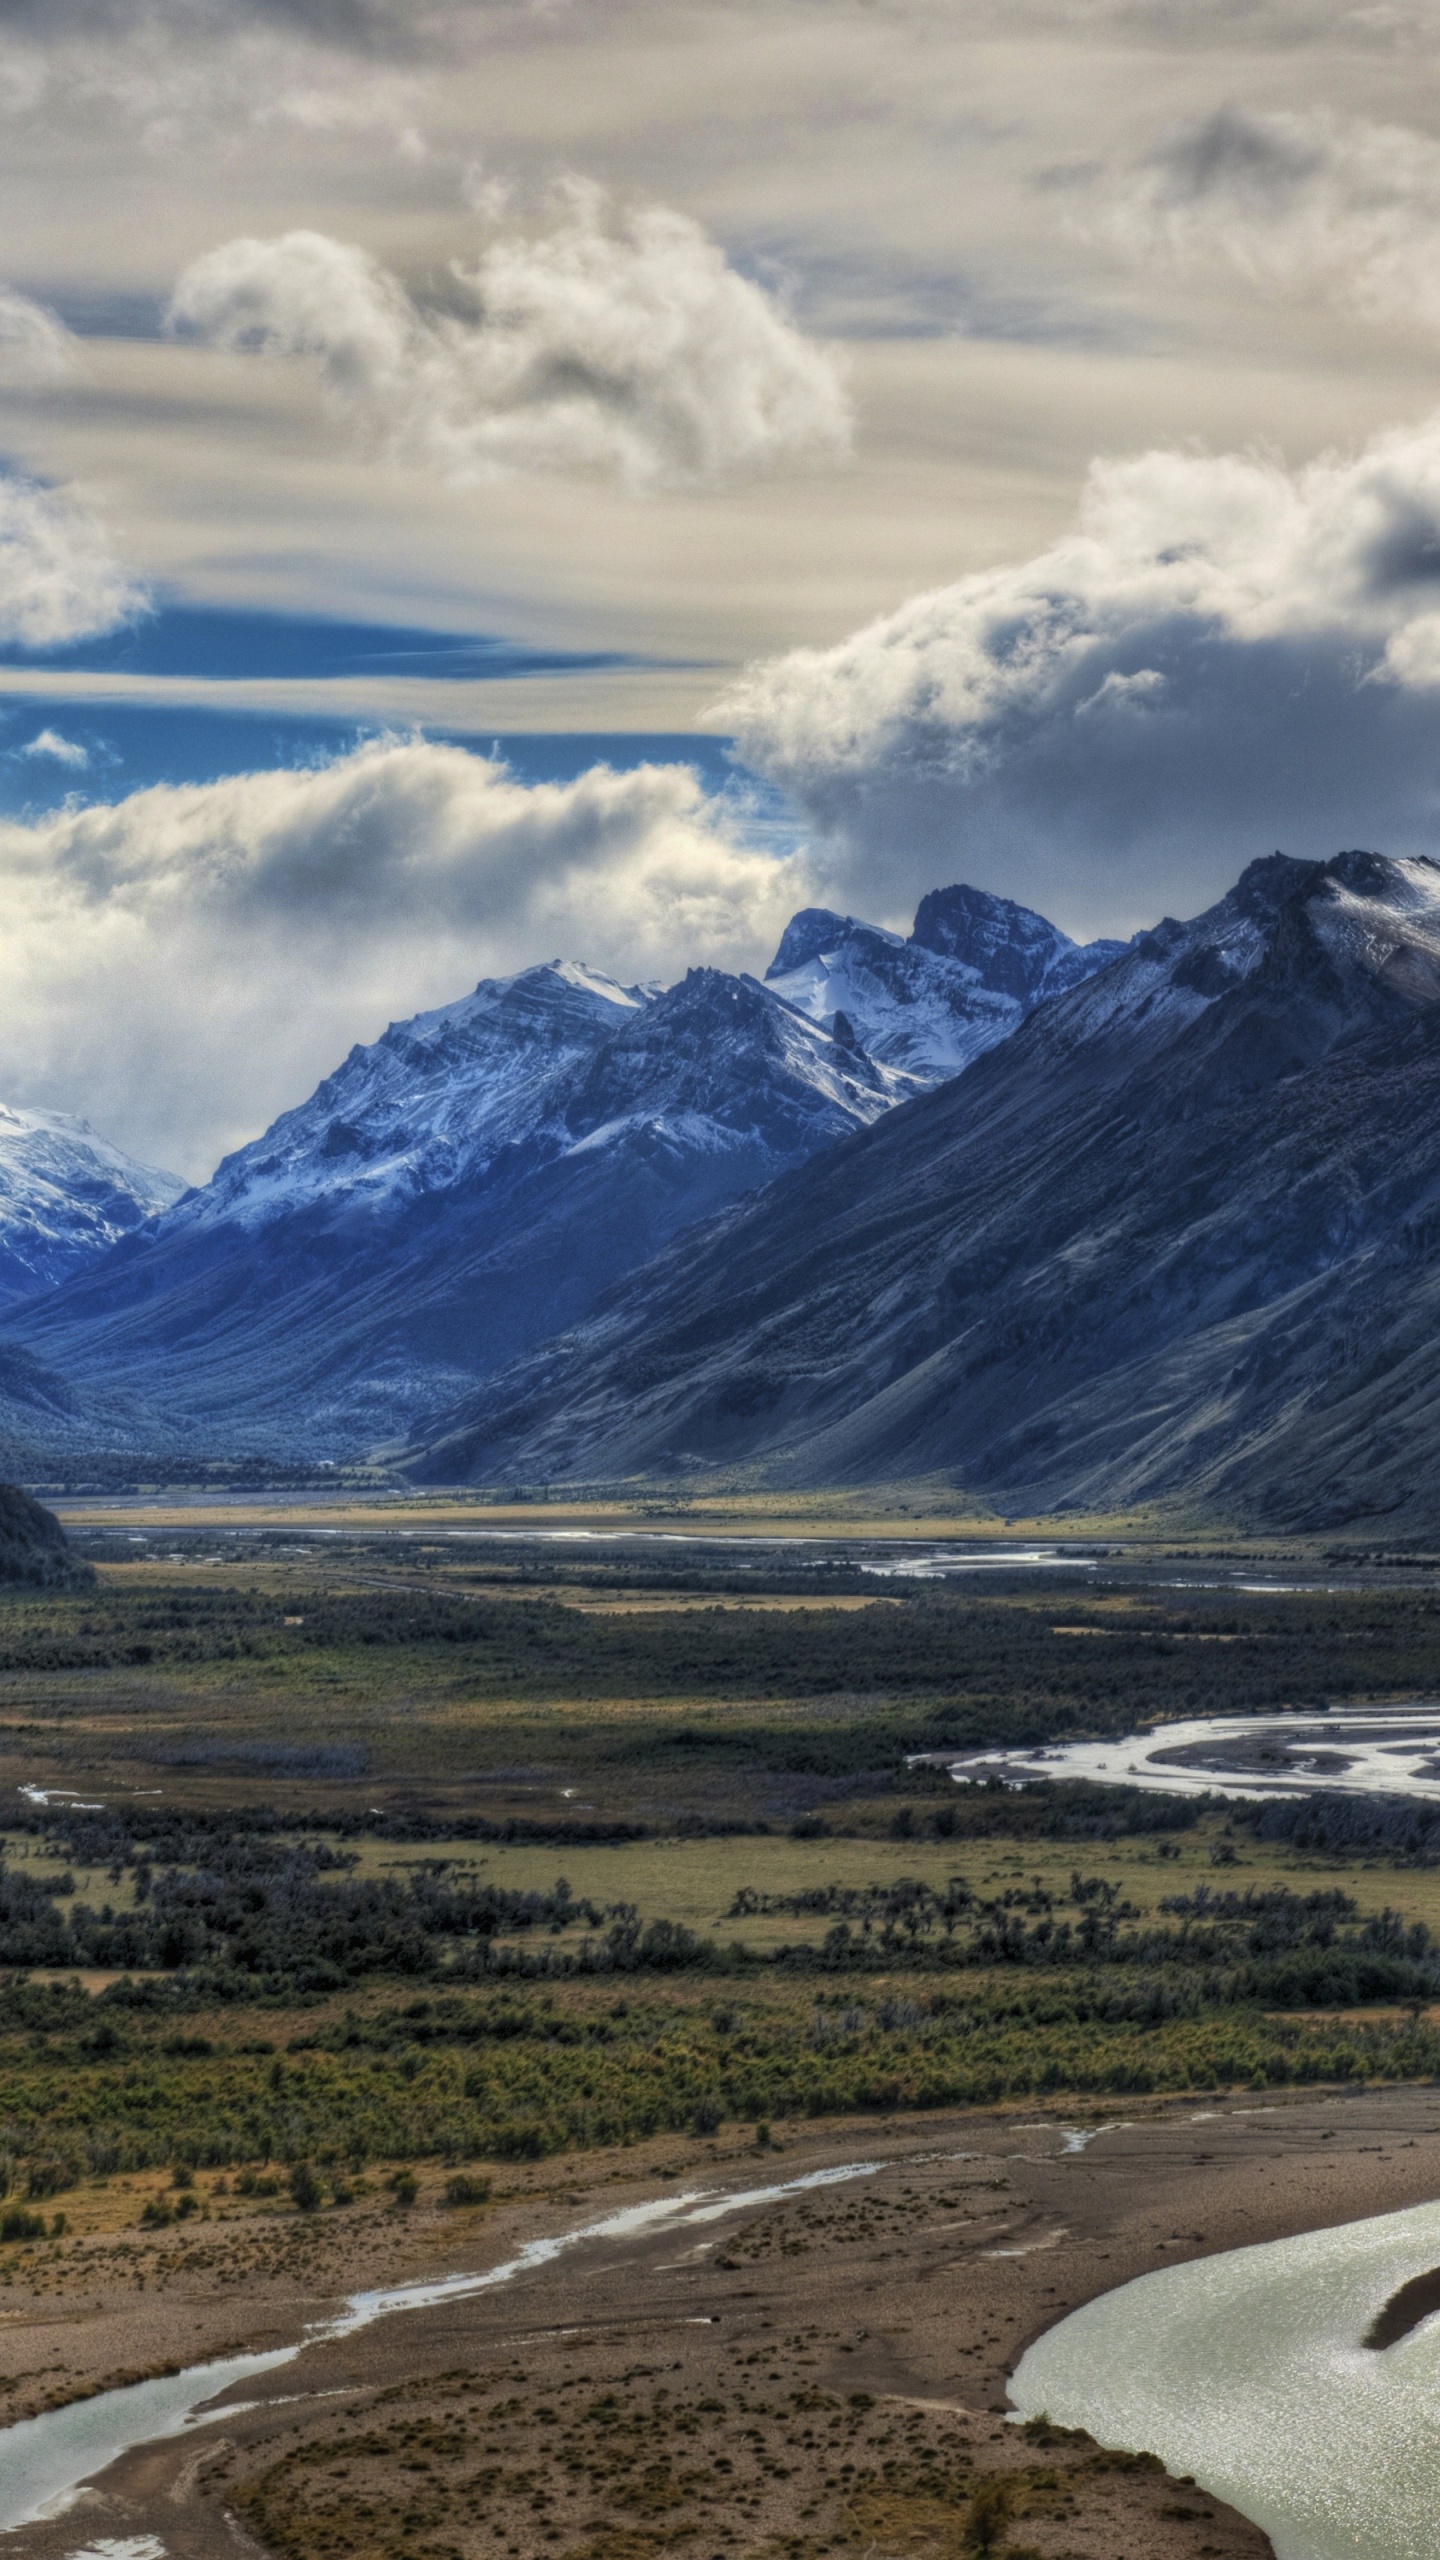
[(467, 1185), (1177, 1233), (970, 971)]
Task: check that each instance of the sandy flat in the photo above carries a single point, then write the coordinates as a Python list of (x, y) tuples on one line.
[(825, 2372)]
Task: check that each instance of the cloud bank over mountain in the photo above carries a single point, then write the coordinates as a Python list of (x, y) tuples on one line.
[(183, 963), (1220, 656), (617, 340)]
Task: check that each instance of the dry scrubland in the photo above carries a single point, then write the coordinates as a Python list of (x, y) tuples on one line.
[(388, 1875)]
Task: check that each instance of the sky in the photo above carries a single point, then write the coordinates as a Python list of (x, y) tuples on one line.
[(490, 480)]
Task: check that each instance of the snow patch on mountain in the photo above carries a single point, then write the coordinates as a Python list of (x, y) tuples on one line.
[(433, 1101), (971, 970), (66, 1196)]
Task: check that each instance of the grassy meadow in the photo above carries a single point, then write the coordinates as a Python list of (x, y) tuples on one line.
[(332, 1863)]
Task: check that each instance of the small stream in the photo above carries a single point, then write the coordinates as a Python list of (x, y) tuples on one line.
[(44, 2461), (1248, 2372)]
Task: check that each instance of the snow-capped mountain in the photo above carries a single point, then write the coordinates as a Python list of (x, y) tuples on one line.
[(464, 1185), (1181, 1232), (432, 1101), (971, 970), (66, 1196), (1011, 949), (476, 1178)]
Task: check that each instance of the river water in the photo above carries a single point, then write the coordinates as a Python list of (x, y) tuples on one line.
[(1364, 1751), (1247, 2372), (44, 2460)]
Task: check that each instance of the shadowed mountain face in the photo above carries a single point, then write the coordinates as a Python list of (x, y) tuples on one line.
[(470, 1184), (451, 1194), (1182, 1230)]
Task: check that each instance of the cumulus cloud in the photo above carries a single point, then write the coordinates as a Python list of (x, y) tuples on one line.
[(59, 579), (49, 743), (35, 347), (1221, 657), (184, 964), (616, 340), (1291, 199)]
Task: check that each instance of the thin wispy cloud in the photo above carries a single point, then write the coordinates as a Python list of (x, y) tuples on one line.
[(53, 748), (35, 346), (616, 339)]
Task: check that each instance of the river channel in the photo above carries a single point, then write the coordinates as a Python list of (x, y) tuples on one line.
[(45, 2460), (1249, 2373)]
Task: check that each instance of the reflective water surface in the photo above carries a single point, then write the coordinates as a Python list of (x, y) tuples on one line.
[(1358, 1751), (1247, 2371)]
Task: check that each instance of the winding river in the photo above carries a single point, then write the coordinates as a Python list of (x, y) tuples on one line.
[(1299, 2380), (45, 2460), (1249, 2372)]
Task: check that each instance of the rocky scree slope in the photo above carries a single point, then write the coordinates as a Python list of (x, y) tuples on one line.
[(34, 1550), (1180, 1232)]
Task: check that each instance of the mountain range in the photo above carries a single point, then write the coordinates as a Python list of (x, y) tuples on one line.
[(1176, 1233), (1072, 1227), (471, 1183)]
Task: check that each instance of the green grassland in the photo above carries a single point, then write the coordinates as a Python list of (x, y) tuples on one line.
[(314, 1912)]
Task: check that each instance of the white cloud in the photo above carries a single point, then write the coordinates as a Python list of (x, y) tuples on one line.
[(1291, 199), (35, 347), (59, 579), (615, 340), (1221, 657), (182, 965), (49, 742)]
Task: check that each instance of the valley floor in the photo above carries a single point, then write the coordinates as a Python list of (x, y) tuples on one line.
[(822, 2372), (365, 1916)]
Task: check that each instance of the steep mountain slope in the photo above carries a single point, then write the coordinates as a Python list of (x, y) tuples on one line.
[(1179, 1231), (973, 967), (452, 1193), (66, 1196)]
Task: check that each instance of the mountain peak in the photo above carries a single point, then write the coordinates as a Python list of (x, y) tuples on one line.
[(813, 930), (974, 966), (1178, 1234), (1012, 950), (66, 1196)]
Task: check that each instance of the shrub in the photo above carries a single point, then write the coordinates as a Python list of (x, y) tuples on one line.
[(988, 2518), (305, 2189), (49, 2174), (466, 2190), (17, 2224)]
